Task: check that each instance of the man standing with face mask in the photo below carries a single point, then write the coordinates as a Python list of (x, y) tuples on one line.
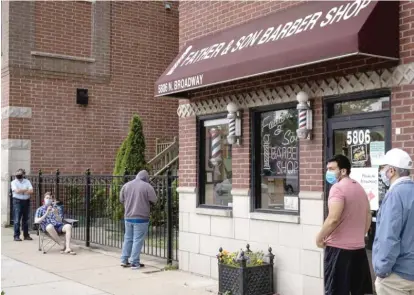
[(21, 189), (393, 250), (343, 233)]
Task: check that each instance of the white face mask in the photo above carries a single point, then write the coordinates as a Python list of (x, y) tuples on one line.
[(384, 177), (48, 202)]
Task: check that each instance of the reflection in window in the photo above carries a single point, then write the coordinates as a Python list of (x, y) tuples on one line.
[(218, 164), (279, 161), (361, 106)]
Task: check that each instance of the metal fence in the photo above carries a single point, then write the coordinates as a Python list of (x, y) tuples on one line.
[(94, 201)]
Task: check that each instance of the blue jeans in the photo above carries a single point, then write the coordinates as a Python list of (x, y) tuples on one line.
[(21, 209), (133, 241)]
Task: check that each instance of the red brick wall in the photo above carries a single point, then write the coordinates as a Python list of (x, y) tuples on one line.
[(188, 151), (403, 118), (407, 31), (143, 41), (64, 27), (402, 103), (311, 157), (202, 18)]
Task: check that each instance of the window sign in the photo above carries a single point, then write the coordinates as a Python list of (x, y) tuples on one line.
[(279, 163), (368, 178), (377, 151)]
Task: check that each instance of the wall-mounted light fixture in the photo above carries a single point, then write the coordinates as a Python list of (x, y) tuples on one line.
[(304, 116), (167, 5), (234, 119)]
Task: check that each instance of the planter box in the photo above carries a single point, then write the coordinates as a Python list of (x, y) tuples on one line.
[(244, 280), (255, 280)]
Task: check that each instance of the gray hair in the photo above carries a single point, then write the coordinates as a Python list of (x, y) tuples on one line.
[(402, 172)]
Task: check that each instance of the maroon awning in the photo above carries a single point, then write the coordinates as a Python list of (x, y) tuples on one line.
[(309, 33)]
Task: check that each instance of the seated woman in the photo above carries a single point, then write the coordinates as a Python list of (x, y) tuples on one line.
[(50, 219)]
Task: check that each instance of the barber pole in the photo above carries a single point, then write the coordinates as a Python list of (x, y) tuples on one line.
[(215, 146), (232, 124), (302, 118)]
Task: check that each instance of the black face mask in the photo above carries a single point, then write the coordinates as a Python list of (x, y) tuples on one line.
[(19, 176)]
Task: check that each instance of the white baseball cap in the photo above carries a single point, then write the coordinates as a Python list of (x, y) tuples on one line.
[(397, 158)]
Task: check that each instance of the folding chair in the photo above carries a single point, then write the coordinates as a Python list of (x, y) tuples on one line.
[(46, 242)]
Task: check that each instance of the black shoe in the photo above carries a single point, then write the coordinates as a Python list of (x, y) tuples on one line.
[(28, 238), (137, 266), (17, 239), (125, 264)]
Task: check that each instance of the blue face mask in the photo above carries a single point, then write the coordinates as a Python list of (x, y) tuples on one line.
[(331, 177), (48, 202), (384, 177)]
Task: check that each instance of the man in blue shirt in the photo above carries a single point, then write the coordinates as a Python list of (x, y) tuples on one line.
[(21, 189), (393, 250), (50, 219)]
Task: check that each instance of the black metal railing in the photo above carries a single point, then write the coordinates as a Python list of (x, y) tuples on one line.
[(94, 201)]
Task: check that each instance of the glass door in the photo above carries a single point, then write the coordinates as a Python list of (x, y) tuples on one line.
[(364, 142)]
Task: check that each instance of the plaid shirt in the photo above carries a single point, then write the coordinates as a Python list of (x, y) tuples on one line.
[(50, 218)]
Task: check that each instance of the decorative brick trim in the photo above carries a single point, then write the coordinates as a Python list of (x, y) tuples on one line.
[(16, 144), (16, 112), (62, 56), (385, 78)]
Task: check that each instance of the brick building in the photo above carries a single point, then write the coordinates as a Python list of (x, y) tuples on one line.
[(354, 61), (50, 49)]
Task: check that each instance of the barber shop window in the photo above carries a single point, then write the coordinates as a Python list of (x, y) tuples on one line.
[(215, 163), (275, 151)]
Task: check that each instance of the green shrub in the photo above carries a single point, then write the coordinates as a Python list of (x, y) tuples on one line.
[(129, 159)]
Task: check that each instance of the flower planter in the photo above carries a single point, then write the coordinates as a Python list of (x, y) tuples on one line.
[(242, 279)]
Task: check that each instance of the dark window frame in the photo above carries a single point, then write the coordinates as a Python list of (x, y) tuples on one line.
[(200, 202), (255, 179), (329, 120)]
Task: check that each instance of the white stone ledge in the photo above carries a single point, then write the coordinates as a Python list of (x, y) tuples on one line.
[(186, 190), (240, 192), (275, 217), (309, 195), (15, 144), (214, 212), (62, 56), (16, 112)]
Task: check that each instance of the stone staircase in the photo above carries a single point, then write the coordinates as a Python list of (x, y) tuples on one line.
[(167, 156)]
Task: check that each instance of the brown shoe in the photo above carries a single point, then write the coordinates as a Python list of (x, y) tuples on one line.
[(28, 238)]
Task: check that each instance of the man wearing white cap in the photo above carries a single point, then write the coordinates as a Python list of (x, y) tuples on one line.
[(393, 250)]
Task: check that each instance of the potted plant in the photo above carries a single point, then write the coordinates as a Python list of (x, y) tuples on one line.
[(245, 272)]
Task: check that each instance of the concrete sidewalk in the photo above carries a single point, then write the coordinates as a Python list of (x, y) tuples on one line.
[(25, 270)]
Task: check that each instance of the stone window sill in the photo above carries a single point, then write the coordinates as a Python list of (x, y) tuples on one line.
[(214, 212), (275, 217), (62, 56)]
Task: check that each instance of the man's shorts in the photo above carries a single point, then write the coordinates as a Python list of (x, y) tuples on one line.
[(347, 272), (59, 228)]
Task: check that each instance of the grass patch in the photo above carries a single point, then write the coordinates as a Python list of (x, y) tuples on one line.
[(171, 267)]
